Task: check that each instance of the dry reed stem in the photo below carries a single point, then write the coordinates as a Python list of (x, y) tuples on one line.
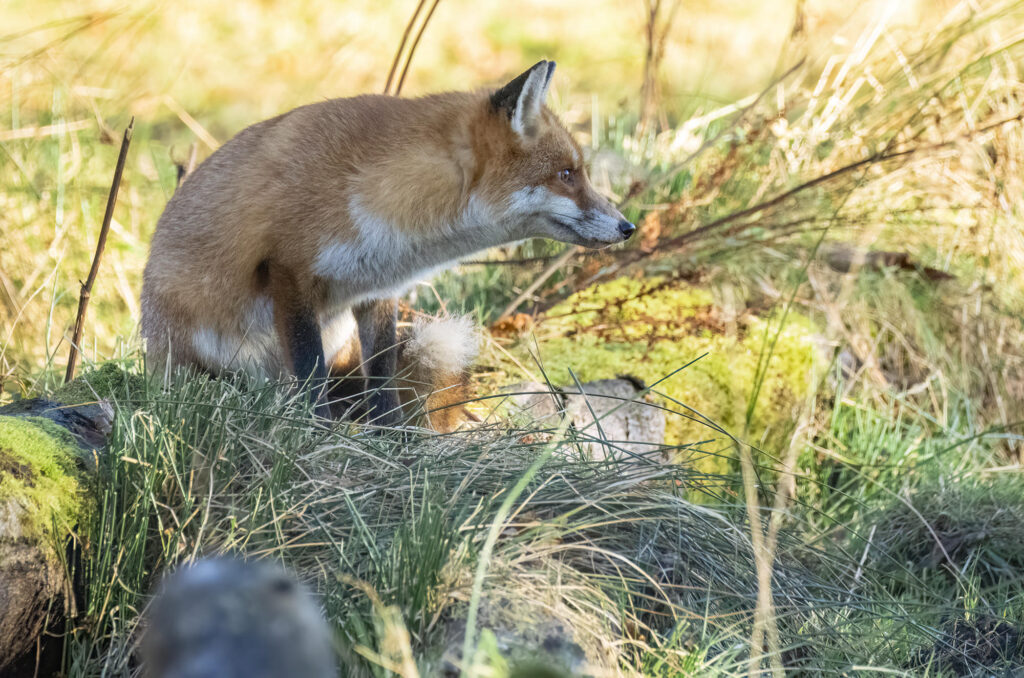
[(401, 46), (415, 44), (412, 48), (86, 294)]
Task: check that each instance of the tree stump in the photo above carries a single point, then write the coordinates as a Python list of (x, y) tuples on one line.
[(610, 416)]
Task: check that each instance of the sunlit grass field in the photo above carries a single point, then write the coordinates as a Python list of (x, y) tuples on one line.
[(834, 190), (72, 74)]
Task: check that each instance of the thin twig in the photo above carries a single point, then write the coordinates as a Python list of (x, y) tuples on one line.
[(83, 299), (524, 261), (412, 48), (541, 279), (401, 46), (873, 159)]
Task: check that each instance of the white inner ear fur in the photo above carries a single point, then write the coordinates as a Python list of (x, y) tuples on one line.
[(532, 96)]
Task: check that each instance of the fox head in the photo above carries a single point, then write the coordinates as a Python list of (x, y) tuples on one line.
[(535, 169)]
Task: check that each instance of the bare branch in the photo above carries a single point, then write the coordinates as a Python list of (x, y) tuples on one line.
[(83, 299)]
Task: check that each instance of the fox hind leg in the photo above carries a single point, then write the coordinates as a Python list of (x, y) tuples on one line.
[(307, 354), (378, 321)]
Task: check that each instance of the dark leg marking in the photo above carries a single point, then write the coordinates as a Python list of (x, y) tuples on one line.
[(299, 333), (306, 346), (307, 354), (378, 322)]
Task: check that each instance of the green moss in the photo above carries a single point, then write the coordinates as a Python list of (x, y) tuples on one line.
[(650, 329), (38, 474), (111, 380)]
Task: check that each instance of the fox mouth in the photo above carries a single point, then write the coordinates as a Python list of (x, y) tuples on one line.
[(576, 238)]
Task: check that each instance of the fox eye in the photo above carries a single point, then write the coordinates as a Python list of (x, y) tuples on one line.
[(567, 176)]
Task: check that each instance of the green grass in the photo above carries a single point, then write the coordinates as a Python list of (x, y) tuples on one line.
[(390, 530)]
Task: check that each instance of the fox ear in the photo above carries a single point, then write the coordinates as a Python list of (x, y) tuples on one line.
[(522, 98)]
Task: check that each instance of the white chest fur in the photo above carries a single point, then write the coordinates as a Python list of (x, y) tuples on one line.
[(382, 261)]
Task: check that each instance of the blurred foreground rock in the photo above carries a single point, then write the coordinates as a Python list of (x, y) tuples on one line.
[(611, 416), (226, 618), (45, 449)]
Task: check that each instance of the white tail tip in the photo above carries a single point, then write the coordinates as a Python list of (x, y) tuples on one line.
[(446, 345)]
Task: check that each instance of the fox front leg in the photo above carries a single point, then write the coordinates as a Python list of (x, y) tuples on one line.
[(377, 320), (307, 354), (299, 334)]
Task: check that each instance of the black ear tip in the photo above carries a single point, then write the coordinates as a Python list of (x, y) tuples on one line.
[(547, 64), (507, 97)]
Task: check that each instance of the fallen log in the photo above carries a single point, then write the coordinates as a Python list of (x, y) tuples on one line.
[(47, 451)]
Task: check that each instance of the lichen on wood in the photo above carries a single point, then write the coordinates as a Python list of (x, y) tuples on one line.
[(44, 499)]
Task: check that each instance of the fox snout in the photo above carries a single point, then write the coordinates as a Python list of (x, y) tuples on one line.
[(626, 229), (593, 224), (603, 225)]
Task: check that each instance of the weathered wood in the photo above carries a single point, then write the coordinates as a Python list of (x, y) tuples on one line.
[(90, 423), (616, 418), (613, 417), (31, 588)]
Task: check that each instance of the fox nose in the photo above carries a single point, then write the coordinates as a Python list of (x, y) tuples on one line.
[(626, 229)]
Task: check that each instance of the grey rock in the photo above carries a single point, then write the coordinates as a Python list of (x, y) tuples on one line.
[(226, 618)]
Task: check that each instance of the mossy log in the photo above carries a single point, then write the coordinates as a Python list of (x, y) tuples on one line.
[(46, 450)]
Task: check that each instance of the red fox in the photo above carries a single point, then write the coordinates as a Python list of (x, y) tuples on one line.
[(300, 232)]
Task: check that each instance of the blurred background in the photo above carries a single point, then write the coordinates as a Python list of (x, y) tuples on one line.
[(231, 64), (195, 73)]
